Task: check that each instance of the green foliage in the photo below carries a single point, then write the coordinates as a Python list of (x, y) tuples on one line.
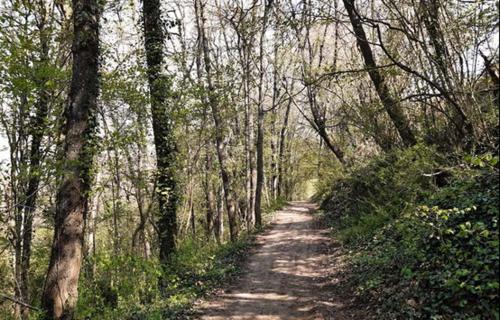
[(366, 197), (117, 285), (433, 256), (126, 287), (275, 204)]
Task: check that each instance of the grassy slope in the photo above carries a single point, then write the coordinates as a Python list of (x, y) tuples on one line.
[(424, 246)]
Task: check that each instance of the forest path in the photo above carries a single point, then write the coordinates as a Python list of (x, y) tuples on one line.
[(288, 275)]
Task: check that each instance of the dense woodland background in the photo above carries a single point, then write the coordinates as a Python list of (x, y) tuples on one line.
[(143, 142)]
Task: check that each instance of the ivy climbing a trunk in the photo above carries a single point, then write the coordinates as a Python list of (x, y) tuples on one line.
[(159, 87), (61, 284)]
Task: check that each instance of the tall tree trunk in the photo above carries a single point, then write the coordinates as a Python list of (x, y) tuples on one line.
[(391, 106), (61, 284), (274, 139), (273, 183), (260, 168), (493, 76), (249, 141), (260, 120), (209, 196), (211, 218), (159, 88), (441, 55), (219, 130), (281, 150), (219, 219), (318, 123), (37, 133), (90, 232)]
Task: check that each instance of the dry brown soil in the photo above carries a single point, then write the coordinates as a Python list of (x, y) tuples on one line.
[(290, 274)]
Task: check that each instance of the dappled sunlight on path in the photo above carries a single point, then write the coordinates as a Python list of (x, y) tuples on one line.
[(287, 275)]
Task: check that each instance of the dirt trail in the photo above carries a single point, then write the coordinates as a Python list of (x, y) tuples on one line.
[(287, 276)]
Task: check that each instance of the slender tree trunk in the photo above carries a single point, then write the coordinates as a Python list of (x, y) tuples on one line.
[(260, 169), (91, 229), (139, 237), (38, 131), (219, 219), (61, 284), (209, 196), (318, 121), (274, 152), (319, 125), (210, 214), (219, 130), (494, 78), (18, 185), (159, 88), (273, 183), (431, 22), (441, 55), (113, 162), (260, 121), (391, 106), (249, 141), (281, 150)]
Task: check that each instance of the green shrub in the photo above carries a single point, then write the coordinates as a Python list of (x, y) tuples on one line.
[(125, 287), (433, 253), (368, 196), (276, 204)]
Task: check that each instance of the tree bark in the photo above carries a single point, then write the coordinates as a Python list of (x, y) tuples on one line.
[(249, 141), (391, 106), (219, 130), (441, 56), (318, 123), (209, 196), (260, 121), (37, 133), (159, 88), (281, 150), (61, 284), (274, 139), (219, 219), (494, 78)]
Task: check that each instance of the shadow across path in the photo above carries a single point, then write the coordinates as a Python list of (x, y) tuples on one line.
[(286, 277)]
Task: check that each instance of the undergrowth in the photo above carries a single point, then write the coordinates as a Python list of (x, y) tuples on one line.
[(423, 230), (126, 287)]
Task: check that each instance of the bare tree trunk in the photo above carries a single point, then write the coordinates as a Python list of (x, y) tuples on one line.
[(209, 196), (159, 88), (441, 55), (260, 121), (273, 183), (61, 284), (245, 41), (210, 214), (219, 130), (219, 219), (391, 106), (281, 150), (318, 121), (249, 142), (494, 78), (260, 168), (274, 139), (90, 241)]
